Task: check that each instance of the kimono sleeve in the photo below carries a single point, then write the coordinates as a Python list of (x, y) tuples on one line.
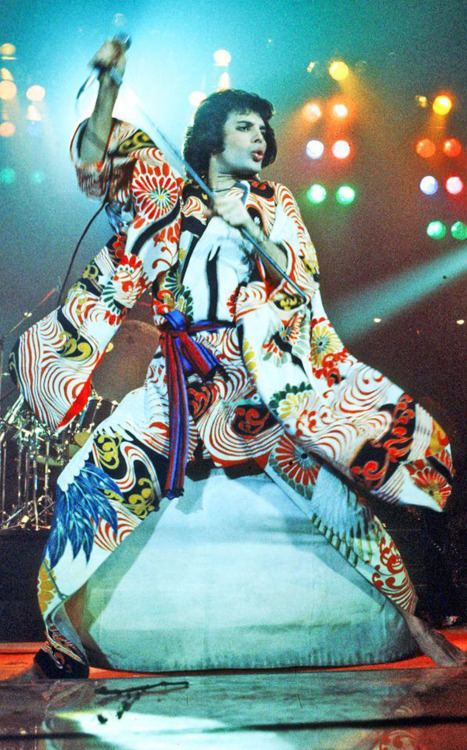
[(54, 360)]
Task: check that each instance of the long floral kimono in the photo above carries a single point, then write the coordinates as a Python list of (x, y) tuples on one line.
[(276, 385)]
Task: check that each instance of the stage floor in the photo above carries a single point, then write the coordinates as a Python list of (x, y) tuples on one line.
[(406, 705)]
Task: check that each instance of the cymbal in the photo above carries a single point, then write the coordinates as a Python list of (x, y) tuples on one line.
[(125, 364)]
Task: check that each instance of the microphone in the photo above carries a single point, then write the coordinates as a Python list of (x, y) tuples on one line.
[(124, 41)]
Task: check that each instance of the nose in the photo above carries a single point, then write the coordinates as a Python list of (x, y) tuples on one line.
[(258, 137)]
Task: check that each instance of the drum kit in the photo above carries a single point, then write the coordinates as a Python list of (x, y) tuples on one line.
[(32, 455)]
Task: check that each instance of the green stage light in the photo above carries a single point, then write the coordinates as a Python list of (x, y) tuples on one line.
[(38, 177), (436, 230), (459, 230), (7, 176), (345, 195), (317, 193)]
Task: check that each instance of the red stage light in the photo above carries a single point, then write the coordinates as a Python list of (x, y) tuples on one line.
[(452, 147)]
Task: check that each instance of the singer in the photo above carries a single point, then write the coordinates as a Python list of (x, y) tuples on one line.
[(246, 374)]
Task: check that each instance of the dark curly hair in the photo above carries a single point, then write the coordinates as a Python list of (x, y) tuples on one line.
[(206, 135)]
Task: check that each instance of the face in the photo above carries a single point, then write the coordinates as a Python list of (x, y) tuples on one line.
[(244, 144)]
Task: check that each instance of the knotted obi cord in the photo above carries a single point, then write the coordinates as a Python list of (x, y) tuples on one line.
[(183, 357)]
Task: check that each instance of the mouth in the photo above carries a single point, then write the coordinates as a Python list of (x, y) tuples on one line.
[(257, 156)]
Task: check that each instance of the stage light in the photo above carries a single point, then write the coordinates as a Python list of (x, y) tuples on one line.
[(38, 177), (196, 97), (311, 66), (6, 75), (425, 148), (422, 101), (460, 322), (7, 90), (317, 193), (7, 176), (452, 147), (312, 111), (459, 230), (222, 58), (442, 104), (224, 82), (7, 129), (377, 320), (7, 50), (340, 110), (338, 70), (429, 185), (345, 195), (454, 185), (436, 230), (35, 93), (314, 149), (341, 149), (33, 113)]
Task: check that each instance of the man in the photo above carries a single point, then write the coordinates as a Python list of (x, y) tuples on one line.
[(247, 373)]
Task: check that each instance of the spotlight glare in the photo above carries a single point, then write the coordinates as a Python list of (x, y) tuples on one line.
[(452, 147), (196, 97), (454, 185), (316, 193), (314, 149), (6, 75), (35, 93), (312, 111), (460, 322), (341, 149), (224, 81), (7, 129), (436, 230), (340, 110), (377, 320), (33, 113), (7, 50), (338, 70), (37, 177), (222, 58), (310, 67), (459, 230), (425, 148), (422, 101), (442, 104), (429, 185), (7, 90), (7, 176), (345, 195)]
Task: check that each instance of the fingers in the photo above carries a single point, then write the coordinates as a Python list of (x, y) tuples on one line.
[(110, 55)]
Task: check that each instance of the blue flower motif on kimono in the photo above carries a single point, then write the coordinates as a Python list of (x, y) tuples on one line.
[(78, 511)]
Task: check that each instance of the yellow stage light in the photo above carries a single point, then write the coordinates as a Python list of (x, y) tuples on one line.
[(33, 114), (224, 82), (35, 93), (442, 104), (6, 75), (7, 129), (196, 97), (311, 66), (422, 101), (7, 50), (222, 57), (7, 90), (338, 70)]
